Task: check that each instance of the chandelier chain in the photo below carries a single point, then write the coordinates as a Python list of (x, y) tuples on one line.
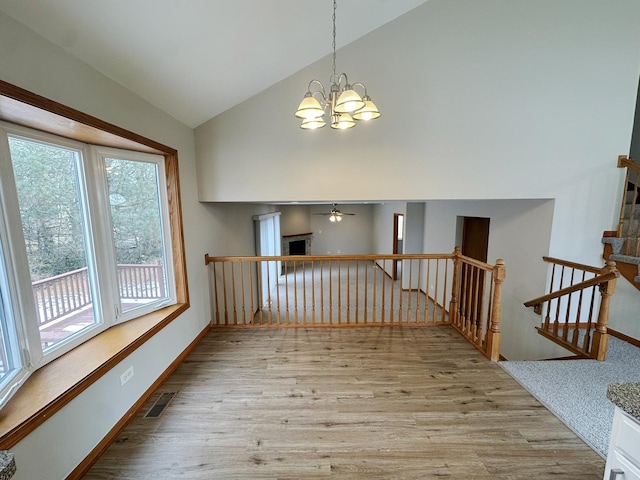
[(335, 5)]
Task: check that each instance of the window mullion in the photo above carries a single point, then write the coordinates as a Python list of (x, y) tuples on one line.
[(103, 243)]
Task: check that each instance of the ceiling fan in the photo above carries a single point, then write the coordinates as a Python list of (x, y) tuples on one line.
[(335, 215)]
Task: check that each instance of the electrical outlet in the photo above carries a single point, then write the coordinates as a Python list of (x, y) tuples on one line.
[(126, 375)]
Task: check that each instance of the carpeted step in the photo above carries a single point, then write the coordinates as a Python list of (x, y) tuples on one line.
[(616, 243)]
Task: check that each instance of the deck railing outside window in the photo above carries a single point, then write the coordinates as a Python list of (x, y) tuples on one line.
[(59, 296)]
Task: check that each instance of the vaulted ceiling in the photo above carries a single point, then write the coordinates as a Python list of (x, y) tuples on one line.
[(195, 59)]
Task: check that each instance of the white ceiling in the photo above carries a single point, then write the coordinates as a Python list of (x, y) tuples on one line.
[(195, 59)]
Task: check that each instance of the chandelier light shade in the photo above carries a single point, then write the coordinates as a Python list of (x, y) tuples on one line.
[(343, 103)]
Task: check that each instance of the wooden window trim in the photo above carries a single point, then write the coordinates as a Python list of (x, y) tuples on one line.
[(53, 386)]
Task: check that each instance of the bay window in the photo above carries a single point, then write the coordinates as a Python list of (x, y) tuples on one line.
[(85, 244)]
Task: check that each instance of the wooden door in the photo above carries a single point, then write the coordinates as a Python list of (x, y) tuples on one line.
[(398, 227)]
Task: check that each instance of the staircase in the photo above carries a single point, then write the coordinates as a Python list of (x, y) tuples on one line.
[(623, 245)]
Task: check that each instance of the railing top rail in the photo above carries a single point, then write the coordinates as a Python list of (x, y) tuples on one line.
[(312, 258), (58, 277), (476, 263), (624, 161), (578, 266), (574, 288)]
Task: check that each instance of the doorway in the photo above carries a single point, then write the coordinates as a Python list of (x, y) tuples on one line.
[(398, 229), (475, 244), (475, 237)]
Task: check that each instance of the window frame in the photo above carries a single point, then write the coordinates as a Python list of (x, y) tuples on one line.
[(56, 384), (99, 241)]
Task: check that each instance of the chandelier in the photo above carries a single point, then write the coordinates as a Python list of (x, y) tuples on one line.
[(344, 104)]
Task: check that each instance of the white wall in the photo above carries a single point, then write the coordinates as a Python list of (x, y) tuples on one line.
[(32, 63), (480, 100), (352, 235), (294, 219), (624, 308), (519, 233), (413, 241)]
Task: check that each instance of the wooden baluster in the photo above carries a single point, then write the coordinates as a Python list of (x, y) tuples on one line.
[(600, 336), (548, 315), (244, 311), (576, 331), (384, 282), (587, 336), (215, 315), (278, 311), (435, 292), (286, 292), (313, 292), (418, 292), (339, 292), (375, 275), (408, 316), (556, 320), (455, 287), (493, 334), (330, 292), (348, 291), (627, 179), (567, 319), (295, 292), (224, 294), (265, 265), (428, 299), (252, 311), (392, 288), (475, 335), (322, 291), (233, 293), (469, 300), (358, 290), (304, 292)]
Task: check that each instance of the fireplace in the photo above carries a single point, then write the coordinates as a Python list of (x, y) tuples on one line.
[(298, 247), (297, 244)]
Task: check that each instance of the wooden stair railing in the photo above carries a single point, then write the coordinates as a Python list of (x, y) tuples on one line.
[(630, 208), (357, 290), (623, 244), (575, 317)]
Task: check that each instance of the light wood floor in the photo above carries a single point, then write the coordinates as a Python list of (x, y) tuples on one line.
[(347, 403)]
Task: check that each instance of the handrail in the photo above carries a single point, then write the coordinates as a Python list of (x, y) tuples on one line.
[(567, 263), (317, 258), (624, 161), (575, 317), (600, 279), (357, 290)]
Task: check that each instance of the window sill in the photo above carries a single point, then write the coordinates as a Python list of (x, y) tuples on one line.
[(53, 386)]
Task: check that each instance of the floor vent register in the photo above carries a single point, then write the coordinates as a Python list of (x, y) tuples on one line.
[(158, 407)]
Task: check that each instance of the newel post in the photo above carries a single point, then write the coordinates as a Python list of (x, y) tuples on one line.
[(493, 333), (600, 336), (455, 287)]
